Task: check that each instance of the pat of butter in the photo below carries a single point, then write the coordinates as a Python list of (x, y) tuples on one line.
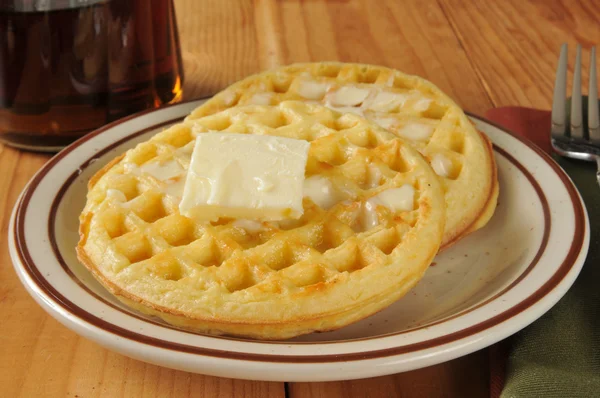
[(261, 99), (416, 131), (422, 104), (164, 171), (345, 109), (369, 218), (228, 97), (385, 101), (441, 165), (312, 90), (116, 195), (385, 122), (395, 199), (322, 192), (373, 176), (347, 96), (250, 226), (255, 177)]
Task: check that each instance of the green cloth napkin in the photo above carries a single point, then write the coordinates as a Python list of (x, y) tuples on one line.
[(559, 354)]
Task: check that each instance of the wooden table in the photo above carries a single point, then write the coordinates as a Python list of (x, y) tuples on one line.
[(484, 54)]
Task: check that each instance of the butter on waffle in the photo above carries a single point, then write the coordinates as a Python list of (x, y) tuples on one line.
[(408, 106), (343, 260)]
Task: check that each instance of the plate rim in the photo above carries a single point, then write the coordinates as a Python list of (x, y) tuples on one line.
[(571, 260)]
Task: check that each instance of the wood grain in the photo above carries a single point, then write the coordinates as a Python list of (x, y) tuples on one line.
[(387, 33), (444, 380), (218, 43), (514, 45), (482, 53)]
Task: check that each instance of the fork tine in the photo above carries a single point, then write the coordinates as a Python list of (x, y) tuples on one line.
[(593, 111), (576, 110), (559, 116)]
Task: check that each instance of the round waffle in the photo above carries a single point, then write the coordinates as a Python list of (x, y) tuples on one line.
[(408, 106), (347, 257)]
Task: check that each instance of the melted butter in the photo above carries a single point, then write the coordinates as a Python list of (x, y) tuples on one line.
[(347, 96), (261, 99), (175, 188), (441, 165), (350, 149), (373, 176), (312, 90), (228, 97), (369, 218), (170, 173), (390, 81), (250, 226), (162, 171), (385, 122), (383, 101), (398, 199), (422, 104), (395, 199), (416, 131), (132, 168), (116, 195), (346, 109), (322, 192)]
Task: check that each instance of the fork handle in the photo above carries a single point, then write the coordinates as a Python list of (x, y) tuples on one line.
[(598, 170)]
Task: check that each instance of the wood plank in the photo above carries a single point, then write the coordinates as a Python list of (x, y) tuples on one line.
[(218, 44), (22, 319), (514, 44), (386, 32), (463, 377)]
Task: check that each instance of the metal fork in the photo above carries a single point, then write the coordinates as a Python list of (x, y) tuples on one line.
[(575, 139)]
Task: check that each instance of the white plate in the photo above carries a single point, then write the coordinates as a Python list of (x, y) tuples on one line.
[(485, 288)]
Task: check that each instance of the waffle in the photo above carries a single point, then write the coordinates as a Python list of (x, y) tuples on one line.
[(408, 106), (344, 259)]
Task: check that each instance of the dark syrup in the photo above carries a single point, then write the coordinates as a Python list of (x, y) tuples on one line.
[(65, 72)]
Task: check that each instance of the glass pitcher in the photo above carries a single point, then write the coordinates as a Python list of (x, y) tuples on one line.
[(70, 66)]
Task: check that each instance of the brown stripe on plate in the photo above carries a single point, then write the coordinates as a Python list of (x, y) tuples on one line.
[(91, 319)]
